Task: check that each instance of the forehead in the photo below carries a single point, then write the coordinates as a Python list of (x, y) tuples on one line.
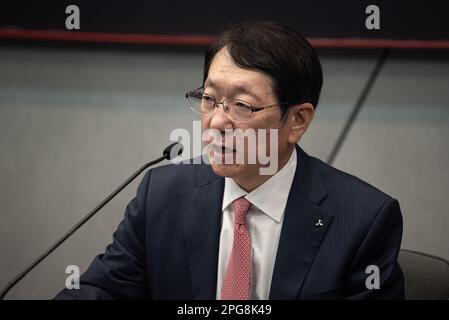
[(226, 76)]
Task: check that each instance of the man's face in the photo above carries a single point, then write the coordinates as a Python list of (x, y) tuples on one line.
[(228, 81)]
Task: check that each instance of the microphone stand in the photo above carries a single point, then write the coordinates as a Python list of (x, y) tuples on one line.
[(167, 154)]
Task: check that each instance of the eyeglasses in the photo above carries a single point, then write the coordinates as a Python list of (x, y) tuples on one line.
[(236, 110)]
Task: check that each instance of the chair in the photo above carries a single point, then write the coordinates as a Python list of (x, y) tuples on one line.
[(426, 276)]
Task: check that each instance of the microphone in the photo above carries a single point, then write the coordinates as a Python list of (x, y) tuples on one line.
[(170, 152)]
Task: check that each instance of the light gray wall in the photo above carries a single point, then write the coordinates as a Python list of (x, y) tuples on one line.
[(400, 143), (75, 123)]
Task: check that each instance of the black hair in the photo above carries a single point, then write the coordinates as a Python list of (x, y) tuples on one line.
[(277, 50)]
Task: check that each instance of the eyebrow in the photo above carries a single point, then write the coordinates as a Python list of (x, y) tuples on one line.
[(241, 88)]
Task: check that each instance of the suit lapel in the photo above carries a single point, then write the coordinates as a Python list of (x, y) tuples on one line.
[(201, 222), (300, 239), (303, 229)]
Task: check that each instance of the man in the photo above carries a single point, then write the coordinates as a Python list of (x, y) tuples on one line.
[(226, 231)]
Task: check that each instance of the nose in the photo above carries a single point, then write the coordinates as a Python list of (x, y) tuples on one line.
[(219, 120)]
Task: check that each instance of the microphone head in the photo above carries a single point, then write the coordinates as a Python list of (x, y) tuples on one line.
[(173, 150)]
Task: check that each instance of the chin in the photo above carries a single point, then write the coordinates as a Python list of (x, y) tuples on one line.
[(229, 170)]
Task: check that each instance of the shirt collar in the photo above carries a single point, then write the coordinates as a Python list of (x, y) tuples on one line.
[(271, 196)]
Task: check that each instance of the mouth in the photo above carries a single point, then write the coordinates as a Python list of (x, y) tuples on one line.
[(220, 149)]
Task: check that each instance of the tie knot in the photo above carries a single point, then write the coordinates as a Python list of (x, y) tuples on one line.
[(241, 207)]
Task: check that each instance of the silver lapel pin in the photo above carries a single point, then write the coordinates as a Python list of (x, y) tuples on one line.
[(319, 223)]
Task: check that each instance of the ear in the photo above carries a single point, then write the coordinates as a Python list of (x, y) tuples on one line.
[(299, 118)]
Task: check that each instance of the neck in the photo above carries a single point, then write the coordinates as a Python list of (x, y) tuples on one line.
[(252, 181)]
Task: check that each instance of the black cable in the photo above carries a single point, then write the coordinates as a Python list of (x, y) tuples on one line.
[(358, 105)]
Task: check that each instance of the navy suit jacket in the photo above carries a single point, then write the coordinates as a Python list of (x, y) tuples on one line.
[(167, 245)]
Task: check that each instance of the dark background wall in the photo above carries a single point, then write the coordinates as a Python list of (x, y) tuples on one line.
[(401, 19)]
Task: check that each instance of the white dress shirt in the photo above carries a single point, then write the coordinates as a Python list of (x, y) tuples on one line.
[(264, 219)]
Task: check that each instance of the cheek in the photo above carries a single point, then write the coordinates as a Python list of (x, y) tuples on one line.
[(283, 134), (205, 123), (205, 136)]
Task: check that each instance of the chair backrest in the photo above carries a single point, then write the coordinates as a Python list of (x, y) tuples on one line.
[(426, 276)]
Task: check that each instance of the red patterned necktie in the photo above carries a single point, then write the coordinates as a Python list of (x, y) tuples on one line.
[(237, 280)]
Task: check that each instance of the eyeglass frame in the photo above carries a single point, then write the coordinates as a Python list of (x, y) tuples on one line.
[(214, 108)]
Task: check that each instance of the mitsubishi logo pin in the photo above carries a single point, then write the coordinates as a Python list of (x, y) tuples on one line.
[(319, 223)]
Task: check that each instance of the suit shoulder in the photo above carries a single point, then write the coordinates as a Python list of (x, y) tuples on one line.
[(172, 171), (345, 184), (180, 175), (352, 199)]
